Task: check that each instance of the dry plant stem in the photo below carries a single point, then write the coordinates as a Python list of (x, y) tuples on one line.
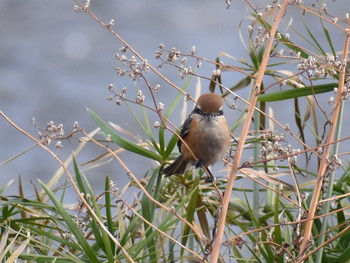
[(334, 198), (305, 257), (224, 67), (320, 15), (244, 133), (232, 239), (72, 182), (199, 235), (327, 149), (273, 190), (154, 227), (131, 48), (279, 249), (314, 150)]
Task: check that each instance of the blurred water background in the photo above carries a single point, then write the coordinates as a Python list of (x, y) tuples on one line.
[(55, 63)]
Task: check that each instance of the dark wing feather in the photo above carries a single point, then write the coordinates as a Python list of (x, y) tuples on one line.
[(184, 130)]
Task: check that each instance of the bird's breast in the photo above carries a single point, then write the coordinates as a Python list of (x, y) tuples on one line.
[(208, 139)]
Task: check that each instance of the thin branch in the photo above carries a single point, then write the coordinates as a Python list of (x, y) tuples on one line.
[(128, 171), (327, 149), (244, 133), (131, 48), (91, 211), (154, 227)]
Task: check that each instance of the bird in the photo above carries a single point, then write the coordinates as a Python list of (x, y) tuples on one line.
[(205, 137)]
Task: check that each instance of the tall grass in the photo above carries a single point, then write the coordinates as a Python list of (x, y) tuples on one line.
[(284, 196)]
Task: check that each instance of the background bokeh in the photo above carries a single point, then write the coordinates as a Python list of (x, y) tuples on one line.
[(55, 63)]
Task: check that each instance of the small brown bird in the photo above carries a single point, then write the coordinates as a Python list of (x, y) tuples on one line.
[(206, 137)]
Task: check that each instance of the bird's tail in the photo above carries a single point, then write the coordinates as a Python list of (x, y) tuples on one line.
[(177, 167)]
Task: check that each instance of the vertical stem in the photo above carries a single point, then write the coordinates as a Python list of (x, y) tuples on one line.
[(327, 149), (253, 99), (326, 205), (256, 198)]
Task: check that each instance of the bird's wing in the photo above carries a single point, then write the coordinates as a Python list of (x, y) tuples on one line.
[(184, 130)]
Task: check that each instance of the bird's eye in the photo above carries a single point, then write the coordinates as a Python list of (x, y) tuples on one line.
[(220, 113), (198, 111)]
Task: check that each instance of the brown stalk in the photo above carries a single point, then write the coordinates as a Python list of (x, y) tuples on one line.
[(304, 257), (139, 184), (327, 149), (153, 226), (131, 48), (232, 176), (91, 211), (232, 239)]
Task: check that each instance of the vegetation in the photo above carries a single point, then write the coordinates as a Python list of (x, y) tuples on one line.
[(293, 204)]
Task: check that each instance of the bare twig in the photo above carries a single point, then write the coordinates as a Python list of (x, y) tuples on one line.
[(91, 211), (327, 149), (245, 129)]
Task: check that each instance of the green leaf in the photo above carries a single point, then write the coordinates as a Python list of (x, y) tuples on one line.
[(102, 239), (190, 210), (285, 41), (144, 126), (122, 142), (329, 39), (43, 258), (4, 188), (297, 92), (108, 208), (166, 151), (171, 145), (78, 178), (148, 212), (81, 240), (315, 40), (215, 79), (240, 85), (44, 233)]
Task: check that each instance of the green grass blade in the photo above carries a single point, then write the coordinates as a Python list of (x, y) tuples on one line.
[(298, 92), (122, 142), (102, 239), (283, 39), (165, 151), (4, 188), (108, 208), (45, 259), (148, 212), (240, 85), (49, 235), (170, 146), (191, 209), (315, 40), (329, 39), (91, 254), (145, 127), (78, 178)]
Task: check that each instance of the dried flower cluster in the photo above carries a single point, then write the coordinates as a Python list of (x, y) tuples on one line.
[(135, 68), (54, 132), (120, 96), (274, 146), (85, 7), (172, 56), (331, 65)]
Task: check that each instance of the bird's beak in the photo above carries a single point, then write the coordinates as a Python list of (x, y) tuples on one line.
[(209, 116)]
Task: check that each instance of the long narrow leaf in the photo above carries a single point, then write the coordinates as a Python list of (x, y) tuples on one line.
[(329, 39), (122, 142), (190, 210), (299, 92), (71, 225)]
